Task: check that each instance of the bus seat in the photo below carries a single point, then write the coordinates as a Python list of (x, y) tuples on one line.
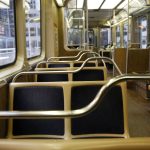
[(109, 118), (86, 74), (90, 74), (58, 65), (32, 97), (51, 77), (86, 65)]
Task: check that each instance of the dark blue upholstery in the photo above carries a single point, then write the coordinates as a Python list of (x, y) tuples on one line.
[(54, 65), (86, 65), (52, 77), (89, 75), (107, 118), (100, 64), (38, 98)]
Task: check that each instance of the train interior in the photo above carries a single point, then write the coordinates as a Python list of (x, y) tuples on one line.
[(74, 74)]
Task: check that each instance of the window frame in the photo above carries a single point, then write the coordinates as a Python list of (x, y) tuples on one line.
[(31, 58), (15, 27)]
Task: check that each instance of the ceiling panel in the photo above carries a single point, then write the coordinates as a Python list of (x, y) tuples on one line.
[(99, 17)]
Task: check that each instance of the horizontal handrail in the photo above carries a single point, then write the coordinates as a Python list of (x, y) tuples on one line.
[(74, 113), (68, 57), (94, 53), (68, 71), (80, 57), (68, 61)]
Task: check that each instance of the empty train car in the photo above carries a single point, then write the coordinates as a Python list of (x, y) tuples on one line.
[(75, 74)]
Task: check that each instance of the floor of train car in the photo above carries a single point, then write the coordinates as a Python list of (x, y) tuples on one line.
[(138, 111), (138, 114)]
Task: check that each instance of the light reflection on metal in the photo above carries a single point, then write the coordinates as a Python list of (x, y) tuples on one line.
[(68, 71), (73, 113)]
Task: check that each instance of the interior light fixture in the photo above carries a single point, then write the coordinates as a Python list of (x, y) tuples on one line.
[(80, 3), (94, 4), (60, 3), (110, 4), (4, 4)]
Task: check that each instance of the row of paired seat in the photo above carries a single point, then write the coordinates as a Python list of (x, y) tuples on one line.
[(93, 70), (108, 120)]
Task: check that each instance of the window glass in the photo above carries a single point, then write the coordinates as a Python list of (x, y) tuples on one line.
[(75, 27), (91, 37), (7, 33), (118, 36), (105, 39), (125, 34), (74, 38), (33, 28), (143, 32)]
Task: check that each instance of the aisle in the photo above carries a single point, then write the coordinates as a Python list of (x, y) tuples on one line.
[(139, 114)]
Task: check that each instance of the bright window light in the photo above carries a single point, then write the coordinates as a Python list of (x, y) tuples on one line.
[(123, 4), (5, 1), (110, 4), (80, 3), (94, 4), (4, 4), (59, 2)]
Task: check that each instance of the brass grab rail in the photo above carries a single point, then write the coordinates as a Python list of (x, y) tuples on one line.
[(69, 57), (68, 71), (69, 61), (74, 113)]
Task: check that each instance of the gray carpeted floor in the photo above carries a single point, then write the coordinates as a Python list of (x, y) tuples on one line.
[(138, 114)]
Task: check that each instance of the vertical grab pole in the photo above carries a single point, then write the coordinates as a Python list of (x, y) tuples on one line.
[(87, 24), (127, 51)]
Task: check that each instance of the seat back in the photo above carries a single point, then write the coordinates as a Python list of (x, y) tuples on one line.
[(34, 97), (108, 119), (90, 74), (85, 74), (51, 77), (58, 65), (88, 64)]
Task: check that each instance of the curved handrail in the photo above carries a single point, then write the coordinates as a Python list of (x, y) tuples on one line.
[(69, 57), (69, 61), (81, 56), (78, 112), (68, 71), (57, 62)]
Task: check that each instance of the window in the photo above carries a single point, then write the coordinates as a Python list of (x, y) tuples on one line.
[(125, 34), (75, 26), (118, 36), (143, 32), (7, 34), (105, 35), (91, 37), (33, 28), (74, 37)]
